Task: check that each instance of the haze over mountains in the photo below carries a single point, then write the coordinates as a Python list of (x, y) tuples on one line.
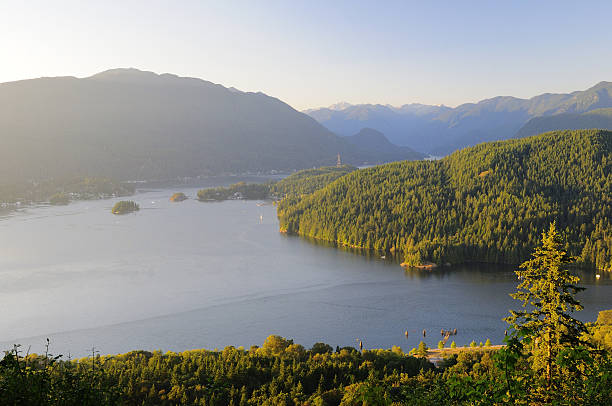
[(131, 124), (439, 130)]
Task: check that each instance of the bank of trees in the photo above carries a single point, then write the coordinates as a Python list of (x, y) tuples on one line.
[(300, 183), (240, 190), (486, 203)]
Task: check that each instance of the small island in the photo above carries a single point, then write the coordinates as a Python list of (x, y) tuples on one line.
[(124, 207), (178, 197)]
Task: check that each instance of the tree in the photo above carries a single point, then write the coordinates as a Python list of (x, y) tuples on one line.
[(545, 330), (422, 350)]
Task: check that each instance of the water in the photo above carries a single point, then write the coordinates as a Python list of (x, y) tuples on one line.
[(177, 276)]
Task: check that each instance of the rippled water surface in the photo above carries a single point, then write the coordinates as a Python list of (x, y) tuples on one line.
[(177, 276)]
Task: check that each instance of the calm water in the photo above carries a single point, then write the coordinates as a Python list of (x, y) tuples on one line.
[(177, 276)]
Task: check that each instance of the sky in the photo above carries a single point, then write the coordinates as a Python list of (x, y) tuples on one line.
[(315, 53)]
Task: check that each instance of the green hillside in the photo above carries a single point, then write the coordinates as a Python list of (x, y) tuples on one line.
[(309, 180), (485, 203), (297, 184)]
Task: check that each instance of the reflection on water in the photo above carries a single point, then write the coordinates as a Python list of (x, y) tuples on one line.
[(204, 275)]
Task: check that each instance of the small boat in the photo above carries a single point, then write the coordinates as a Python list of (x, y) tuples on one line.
[(597, 276)]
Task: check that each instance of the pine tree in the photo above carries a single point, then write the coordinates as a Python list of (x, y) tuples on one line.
[(545, 329)]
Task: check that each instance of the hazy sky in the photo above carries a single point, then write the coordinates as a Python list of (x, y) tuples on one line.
[(315, 53)]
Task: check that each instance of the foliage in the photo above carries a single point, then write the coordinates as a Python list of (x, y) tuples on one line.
[(545, 333), (125, 206), (45, 380), (276, 376), (297, 184), (275, 373), (309, 180), (240, 190), (486, 203)]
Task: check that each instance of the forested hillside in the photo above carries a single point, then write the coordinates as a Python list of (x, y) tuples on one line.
[(309, 180), (485, 203), (293, 186)]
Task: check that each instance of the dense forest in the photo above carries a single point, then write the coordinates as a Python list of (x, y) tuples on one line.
[(485, 203), (299, 183)]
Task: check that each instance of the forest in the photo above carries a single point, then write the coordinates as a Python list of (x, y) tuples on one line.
[(301, 182), (486, 203)]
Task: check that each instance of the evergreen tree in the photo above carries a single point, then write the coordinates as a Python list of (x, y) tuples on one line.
[(545, 330)]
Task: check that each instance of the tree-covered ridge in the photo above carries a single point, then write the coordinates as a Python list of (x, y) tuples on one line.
[(309, 180), (485, 203), (302, 182)]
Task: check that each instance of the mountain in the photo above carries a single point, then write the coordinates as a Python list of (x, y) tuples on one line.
[(369, 139), (439, 130), (600, 118), (486, 203), (131, 124)]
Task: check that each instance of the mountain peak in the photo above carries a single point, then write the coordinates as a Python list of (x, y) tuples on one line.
[(602, 85), (370, 132), (131, 73), (340, 106)]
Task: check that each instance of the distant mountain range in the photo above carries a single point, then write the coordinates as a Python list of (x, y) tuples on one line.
[(600, 118), (439, 130), (131, 124)]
